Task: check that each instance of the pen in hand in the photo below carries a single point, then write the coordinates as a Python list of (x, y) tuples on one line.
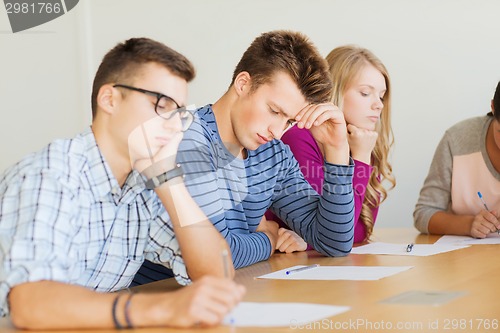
[(482, 200), (225, 263), (485, 206), (301, 269)]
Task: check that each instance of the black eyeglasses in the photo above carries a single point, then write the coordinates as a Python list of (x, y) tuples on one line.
[(165, 106)]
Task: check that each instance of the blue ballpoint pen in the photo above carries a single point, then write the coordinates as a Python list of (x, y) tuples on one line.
[(409, 247), (300, 269), (225, 263), (485, 206)]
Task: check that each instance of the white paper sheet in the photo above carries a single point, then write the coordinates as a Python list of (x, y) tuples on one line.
[(493, 238), (249, 314), (355, 273), (400, 249)]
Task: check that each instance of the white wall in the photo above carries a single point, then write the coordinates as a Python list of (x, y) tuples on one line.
[(443, 57)]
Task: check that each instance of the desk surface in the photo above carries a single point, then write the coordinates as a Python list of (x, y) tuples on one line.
[(474, 271)]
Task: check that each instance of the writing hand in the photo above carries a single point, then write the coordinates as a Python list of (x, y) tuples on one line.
[(484, 223), (204, 303)]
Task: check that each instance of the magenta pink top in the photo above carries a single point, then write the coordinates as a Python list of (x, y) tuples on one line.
[(308, 154)]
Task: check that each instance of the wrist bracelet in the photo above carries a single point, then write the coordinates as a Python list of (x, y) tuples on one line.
[(118, 326), (156, 181), (127, 314)]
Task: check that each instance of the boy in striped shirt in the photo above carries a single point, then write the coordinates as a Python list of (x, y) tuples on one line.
[(236, 167)]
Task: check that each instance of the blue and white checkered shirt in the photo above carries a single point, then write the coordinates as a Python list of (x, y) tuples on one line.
[(63, 217)]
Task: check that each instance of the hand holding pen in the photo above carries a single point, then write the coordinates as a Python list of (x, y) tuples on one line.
[(485, 222)]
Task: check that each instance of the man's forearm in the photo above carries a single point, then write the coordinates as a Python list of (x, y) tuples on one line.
[(53, 305), (200, 242)]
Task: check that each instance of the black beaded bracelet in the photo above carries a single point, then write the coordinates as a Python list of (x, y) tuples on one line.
[(127, 315), (113, 312)]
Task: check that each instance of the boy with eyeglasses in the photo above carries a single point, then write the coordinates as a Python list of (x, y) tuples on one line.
[(77, 221), (236, 167)]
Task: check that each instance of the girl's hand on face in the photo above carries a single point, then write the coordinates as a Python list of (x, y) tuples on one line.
[(361, 142)]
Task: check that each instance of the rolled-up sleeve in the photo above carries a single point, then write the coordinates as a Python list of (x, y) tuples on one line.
[(35, 232)]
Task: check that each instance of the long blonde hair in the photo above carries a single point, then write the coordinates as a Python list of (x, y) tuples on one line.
[(345, 63)]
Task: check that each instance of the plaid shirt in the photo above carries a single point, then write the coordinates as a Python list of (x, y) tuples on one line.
[(63, 217)]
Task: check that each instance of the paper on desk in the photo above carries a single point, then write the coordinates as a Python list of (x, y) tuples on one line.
[(492, 238), (400, 249), (280, 314), (358, 273)]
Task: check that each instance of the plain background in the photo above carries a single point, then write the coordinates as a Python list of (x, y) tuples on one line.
[(443, 58)]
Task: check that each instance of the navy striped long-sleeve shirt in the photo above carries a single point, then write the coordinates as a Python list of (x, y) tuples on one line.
[(235, 193)]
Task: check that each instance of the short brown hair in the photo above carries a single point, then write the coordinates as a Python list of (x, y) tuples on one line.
[(124, 61), (292, 53)]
